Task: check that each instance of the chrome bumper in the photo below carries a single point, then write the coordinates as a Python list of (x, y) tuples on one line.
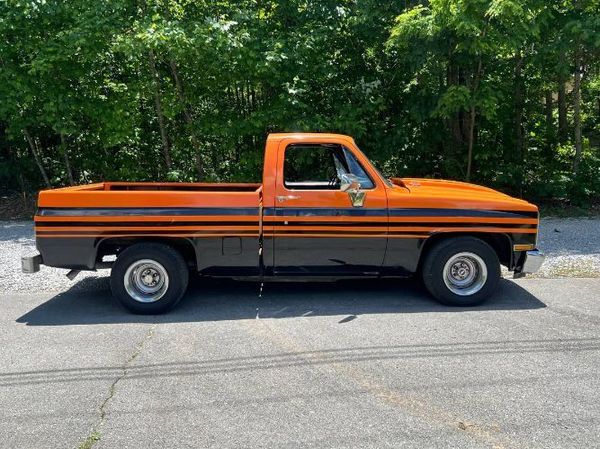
[(530, 262), (31, 264)]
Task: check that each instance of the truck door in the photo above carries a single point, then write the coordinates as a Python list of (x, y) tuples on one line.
[(319, 229)]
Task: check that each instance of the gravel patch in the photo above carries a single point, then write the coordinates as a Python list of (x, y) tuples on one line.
[(572, 246), (16, 240)]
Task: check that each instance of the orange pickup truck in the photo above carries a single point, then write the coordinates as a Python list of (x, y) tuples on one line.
[(323, 210)]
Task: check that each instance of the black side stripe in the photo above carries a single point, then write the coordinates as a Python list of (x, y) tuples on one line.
[(357, 233), (400, 225), (395, 212), (254, 234), (324, 212), (279, 212), (160, 232), (141, 224), (220, 224)]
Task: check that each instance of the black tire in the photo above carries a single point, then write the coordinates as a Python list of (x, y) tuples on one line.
[(441, 253), (174, 283)]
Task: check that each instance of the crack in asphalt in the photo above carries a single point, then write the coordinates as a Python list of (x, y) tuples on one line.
[(94, 435)]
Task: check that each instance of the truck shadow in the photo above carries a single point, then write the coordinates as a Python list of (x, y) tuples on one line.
[(90, 302)]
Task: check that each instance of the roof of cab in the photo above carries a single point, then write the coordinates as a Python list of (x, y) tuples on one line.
[(308, 136)]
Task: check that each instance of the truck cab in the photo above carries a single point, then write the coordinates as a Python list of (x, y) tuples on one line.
[(312, 225)]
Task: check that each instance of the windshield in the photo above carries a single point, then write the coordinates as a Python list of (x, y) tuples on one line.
[(386, 180)]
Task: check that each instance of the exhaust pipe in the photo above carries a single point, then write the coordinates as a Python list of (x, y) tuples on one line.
[(73, 274)]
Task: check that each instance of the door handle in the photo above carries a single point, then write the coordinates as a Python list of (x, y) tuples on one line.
[(283, 198)]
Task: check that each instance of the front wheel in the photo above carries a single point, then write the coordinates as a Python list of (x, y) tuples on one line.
[(461, 271), (149, 278)]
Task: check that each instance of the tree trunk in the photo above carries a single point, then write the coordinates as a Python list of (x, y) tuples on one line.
[(473, 112), (65, 151), (455, 129), (38, 160), (562, 108), (471, 139), (14, 159), (457, 137), (23, 190), (187, 113), (519, 95), (577, 112), (474, 87), (159, 112), (549, 122)]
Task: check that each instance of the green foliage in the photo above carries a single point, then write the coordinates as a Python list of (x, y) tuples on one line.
[(183, 91)]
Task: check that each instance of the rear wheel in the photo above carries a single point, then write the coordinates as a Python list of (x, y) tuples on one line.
[(149, 278), (462, 271)]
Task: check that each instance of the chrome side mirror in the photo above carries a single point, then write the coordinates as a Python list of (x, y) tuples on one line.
[(351, 184)]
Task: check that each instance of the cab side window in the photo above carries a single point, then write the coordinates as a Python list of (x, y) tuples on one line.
[(311, 167), (320, 167)]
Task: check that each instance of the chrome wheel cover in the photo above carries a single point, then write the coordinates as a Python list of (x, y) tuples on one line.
[(465, 273), (146, 280)]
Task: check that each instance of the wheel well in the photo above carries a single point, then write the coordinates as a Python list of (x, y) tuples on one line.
[(114, 246), (501, 244)]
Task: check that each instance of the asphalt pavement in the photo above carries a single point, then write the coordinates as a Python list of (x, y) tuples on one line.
[(351, 364)]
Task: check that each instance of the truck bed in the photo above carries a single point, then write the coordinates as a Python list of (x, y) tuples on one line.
[(76, 226), (151, 194)]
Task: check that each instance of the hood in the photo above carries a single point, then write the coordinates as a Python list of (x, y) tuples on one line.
[(423, 185), (458, 194)]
